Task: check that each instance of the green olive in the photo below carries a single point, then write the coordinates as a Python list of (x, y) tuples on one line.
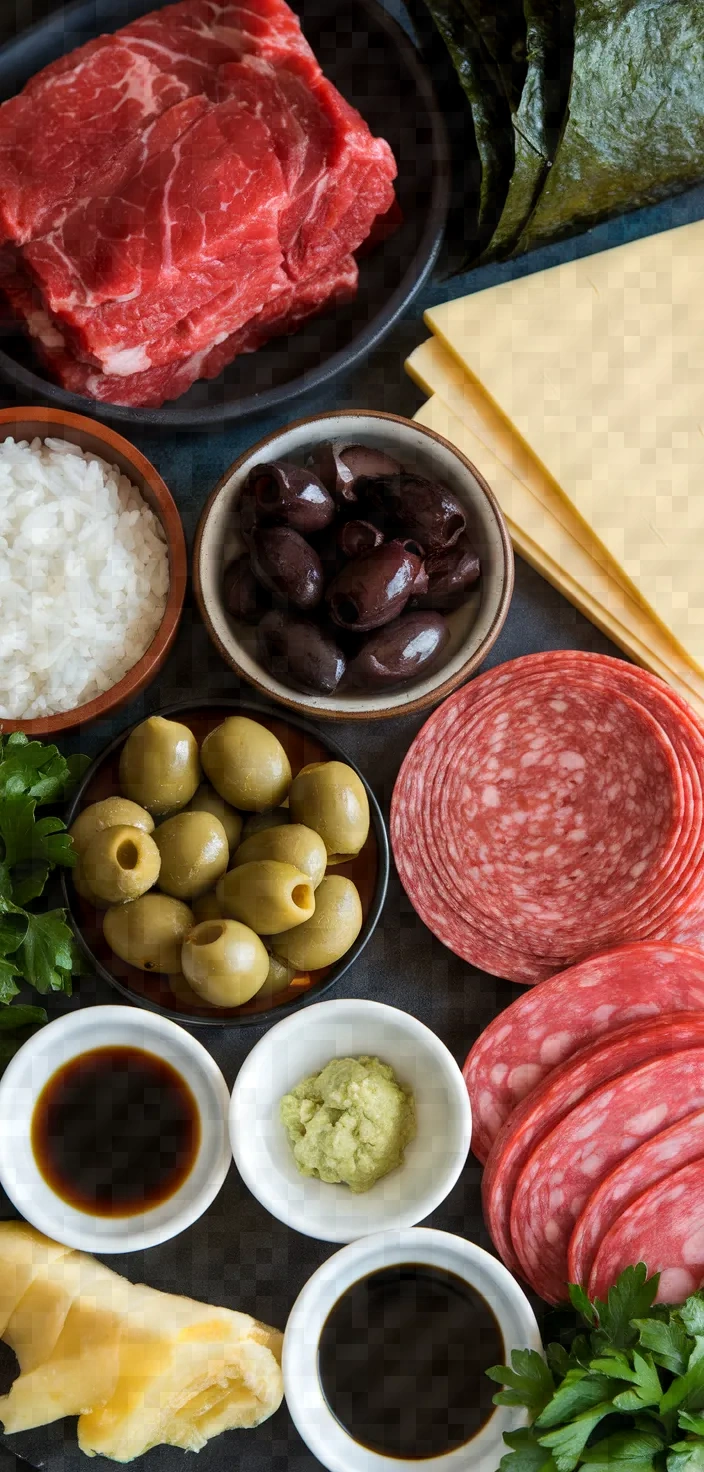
[(272, 818), (330, 931), (225, 962), (207, 907), (267, 895), (120, 864), (82, 887), (292, 844), (279, 978), (194, 853), (246, 764), (184, 993), (207, 800), (108, 814), (149, 932), (159, 765), (331, 799)]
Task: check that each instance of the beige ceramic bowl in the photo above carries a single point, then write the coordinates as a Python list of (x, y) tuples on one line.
[(474, 627)]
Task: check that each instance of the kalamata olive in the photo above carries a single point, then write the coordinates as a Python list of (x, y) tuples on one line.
[(288, 493), (420, 508), (244, 597), (450, 574), (340, 465), (371, 590), (358, 537), (300, 653), (287, 566), (402, 650), (247, 511)]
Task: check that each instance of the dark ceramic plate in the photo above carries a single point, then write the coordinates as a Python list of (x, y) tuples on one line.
[(369, 871), (376, 67)]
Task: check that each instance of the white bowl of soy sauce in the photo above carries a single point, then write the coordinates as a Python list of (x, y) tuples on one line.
[(386, 1349), (113, 1130)]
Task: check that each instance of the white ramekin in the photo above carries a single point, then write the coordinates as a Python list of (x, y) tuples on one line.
[(301, 1045), (319, 1428), (32, 1067)]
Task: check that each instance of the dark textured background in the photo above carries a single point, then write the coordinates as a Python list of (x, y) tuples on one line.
[(237, 1255)]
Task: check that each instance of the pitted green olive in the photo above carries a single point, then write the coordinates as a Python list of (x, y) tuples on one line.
[(194, 853), (82, 887), (159, 766), (120, 864), (292, 844), (207, 800), (279, 978), (225, 962), (246, 764), (109, 813), (329, 933), (257, 822), (184, 993), (207, 907), (149, 932), (331, 799), (267, 895)]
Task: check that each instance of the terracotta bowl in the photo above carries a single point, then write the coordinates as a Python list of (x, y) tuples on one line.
[(474, 628), (27, 424), (369, 871)]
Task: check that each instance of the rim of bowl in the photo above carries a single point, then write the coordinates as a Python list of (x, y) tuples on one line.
[(314, 994), (147, 667), (214, 416), (76, 1030), (320, 1429), (438, 1055), (445, 687)]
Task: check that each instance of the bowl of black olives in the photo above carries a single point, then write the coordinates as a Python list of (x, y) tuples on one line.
[(354, 564)]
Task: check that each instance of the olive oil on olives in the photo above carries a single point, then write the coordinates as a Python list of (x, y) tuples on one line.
[(344, 546)]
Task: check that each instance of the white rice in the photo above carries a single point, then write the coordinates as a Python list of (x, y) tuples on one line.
[(84, 577)]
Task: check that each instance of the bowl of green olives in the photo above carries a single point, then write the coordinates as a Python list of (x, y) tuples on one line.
[(353, 565), (231, 865)]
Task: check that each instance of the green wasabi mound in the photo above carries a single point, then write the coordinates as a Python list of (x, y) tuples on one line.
[(349, 1124)]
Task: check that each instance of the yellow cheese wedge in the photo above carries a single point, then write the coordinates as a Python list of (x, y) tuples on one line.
[(563, 561), (599, 365)]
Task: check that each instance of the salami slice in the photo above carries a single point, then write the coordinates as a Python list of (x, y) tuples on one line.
[(645, 1168), (560, 1093), (664, 1228), (548, 1024), (480, 815), (571, 1162)]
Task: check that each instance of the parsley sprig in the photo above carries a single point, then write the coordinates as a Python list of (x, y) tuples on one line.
[(627, 1395), (36, 946)]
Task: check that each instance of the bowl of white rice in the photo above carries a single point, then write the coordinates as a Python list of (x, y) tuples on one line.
[(92, 570)]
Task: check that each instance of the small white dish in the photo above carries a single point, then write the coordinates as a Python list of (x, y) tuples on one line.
[(33, 1066), (319, 1428), (301, 1045)]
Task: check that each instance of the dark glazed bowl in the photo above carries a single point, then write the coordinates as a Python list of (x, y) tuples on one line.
[(369, 871), (377, 68)]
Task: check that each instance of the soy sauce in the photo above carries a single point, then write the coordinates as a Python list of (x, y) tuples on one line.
[(402, 1358), (115, 1132)]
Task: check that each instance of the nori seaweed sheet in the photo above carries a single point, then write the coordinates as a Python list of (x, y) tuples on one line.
[(501, 27), (490, 112), (634, 131)]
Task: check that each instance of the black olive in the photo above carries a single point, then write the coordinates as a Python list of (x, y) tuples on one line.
[(288, 493), (340, 465), (286, 566), (450, 573), (356, 537), (420, 508), (300, 653), (244, 597), (373, 589), (400, 651)]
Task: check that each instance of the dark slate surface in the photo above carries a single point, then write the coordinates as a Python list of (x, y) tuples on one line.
[(237, 1255)]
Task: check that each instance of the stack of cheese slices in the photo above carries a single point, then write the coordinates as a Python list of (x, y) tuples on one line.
[(578, 392)]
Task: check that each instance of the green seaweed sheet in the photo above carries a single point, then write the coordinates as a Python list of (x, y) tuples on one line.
[(490, 111), (634, 131), (537, 119)]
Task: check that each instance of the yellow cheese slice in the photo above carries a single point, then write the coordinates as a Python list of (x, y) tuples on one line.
[(599, 366), (436, 371), (590, 589)]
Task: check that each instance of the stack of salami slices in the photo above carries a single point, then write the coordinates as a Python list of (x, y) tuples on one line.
[(588, 1111), (551, 809)]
